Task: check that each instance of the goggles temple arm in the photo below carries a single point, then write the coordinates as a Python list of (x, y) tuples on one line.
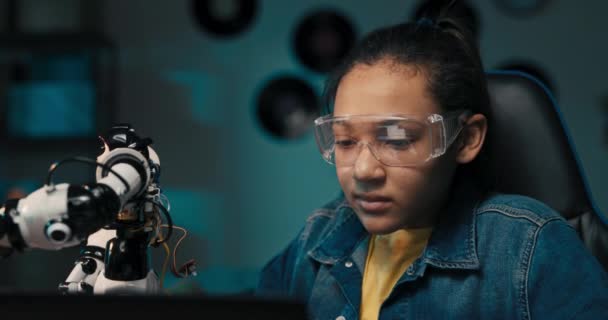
[(453, 125)]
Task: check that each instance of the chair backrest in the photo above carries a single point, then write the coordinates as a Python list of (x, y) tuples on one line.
[(533, 155)]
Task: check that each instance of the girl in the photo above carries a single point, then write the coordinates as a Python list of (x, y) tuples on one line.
[(414, 233)]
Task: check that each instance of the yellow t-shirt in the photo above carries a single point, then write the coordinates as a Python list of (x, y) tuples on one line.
[(388, 257)]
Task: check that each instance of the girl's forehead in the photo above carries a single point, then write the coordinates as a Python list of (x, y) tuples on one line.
[(382, 88)]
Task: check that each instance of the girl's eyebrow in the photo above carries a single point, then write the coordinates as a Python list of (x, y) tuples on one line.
[(341, 123)]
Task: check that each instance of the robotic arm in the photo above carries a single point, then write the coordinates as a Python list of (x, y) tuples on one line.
[(59, 216), (114, 216)]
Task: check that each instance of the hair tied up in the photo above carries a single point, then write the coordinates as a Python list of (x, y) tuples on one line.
[(426, 22)]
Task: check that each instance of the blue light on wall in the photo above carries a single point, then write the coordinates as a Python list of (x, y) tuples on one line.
[(51, 95), (45, 109)]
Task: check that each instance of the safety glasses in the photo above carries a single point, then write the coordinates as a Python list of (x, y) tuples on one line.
[(394, 140)]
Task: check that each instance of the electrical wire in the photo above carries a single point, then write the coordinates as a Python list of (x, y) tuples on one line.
[(160, 207), (156, 223), (165, 201), (186, 265), (169, 222), (163, 272), (56, 165)]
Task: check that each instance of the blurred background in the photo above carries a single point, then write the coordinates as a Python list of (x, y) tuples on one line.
[(227, 90)]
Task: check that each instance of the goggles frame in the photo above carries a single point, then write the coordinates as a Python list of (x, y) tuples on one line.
[(447, 126)]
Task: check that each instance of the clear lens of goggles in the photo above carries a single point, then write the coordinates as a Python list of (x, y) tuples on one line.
[(394, 140)]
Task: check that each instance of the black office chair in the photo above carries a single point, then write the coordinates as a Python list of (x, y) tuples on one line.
[(535, 156)]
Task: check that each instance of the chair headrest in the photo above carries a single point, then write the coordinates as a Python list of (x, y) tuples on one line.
[(531, 152)]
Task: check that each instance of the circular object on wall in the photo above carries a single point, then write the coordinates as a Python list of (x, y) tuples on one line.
[(532, 69), (224, 18), (322, 39), (461, 9), (287, 107), (522, 8)]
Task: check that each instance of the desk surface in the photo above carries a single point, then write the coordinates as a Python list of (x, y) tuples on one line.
[(148, 307)]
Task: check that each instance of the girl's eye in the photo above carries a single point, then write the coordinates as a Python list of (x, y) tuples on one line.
[(398, 143), (345, 143)]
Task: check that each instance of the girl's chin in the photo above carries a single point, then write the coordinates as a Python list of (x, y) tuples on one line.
[(379, 225), (387, 223)]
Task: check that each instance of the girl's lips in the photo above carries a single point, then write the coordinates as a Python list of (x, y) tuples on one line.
[(373, 205)]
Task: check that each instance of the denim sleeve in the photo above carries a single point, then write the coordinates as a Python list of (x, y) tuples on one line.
[(565, 281)]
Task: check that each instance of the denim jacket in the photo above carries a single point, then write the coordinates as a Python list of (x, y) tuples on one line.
[(501, 257)]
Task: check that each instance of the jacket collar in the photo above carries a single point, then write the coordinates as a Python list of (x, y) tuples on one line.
[(342, 239), (452, 244)]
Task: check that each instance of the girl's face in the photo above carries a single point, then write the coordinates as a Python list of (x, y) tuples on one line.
[(390, 198)]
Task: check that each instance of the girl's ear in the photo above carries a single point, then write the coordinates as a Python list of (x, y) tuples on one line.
[(473, 135)]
